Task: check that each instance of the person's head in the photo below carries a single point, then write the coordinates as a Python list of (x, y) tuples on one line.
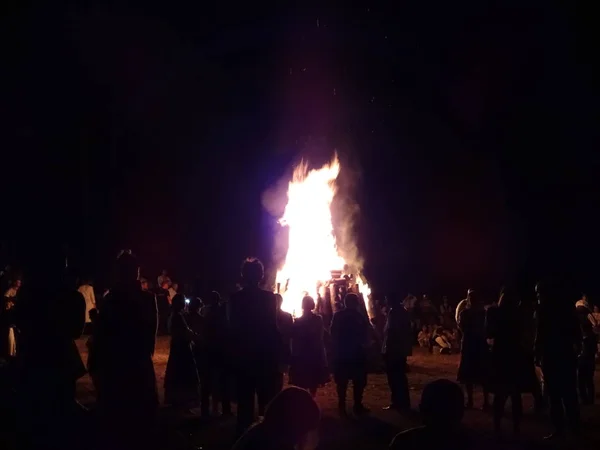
[(584, 297), (144, 284), (509, 297), (178, 303), (195, 305), (164, 272), (596, 309), (165, 285), (351, 301), (17, 283), (127, 270), (292, 414), (308, 304), (279, 299), (425, 328), (214, 298), (253, 271), (442, 404), (175, 286), (472, 297)]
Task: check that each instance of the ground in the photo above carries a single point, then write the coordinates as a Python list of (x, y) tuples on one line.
[(372, 432)]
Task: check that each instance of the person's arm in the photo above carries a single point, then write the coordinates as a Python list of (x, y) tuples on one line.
[(93, 296)]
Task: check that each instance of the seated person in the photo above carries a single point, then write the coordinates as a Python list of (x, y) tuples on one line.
[(291, 419), (424, 337), (442, 408), (439, 340), (453, 338)]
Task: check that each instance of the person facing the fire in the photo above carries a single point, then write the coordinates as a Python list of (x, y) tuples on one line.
[(285, 322), (397, 346), (309, 362), (255, 341), (350, 340)]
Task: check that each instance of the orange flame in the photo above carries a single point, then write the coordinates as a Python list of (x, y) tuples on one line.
[(312, 251)]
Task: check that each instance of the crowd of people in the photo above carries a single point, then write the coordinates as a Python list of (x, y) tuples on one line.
[(249, 342)]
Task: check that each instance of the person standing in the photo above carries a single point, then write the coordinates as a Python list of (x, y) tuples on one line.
[(181, 376), (474, 359), (87, 290), (510, 364), (255, 342), (397, 346), (308, 363), (8, 318), (125, 338), (587, 358), (163, 278), (285, 322), (350, 340), (558, 339)]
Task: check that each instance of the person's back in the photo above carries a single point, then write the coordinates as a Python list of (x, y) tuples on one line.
[(255, 343), (442, 408), (253, 326), (289, 420), (349, 334)]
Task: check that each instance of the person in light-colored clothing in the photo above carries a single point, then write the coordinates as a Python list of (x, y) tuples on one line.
[(86, 289)]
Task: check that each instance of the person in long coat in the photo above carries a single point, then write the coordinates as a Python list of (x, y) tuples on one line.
[(309, 363), (557, 345), (397, 346), (181, 377), (510, 364), (474, 360), (124, 340), (50, 318)]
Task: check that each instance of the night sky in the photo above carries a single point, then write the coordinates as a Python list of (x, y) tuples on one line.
[(466, 136)]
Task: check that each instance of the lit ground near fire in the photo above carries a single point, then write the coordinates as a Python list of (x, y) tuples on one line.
[(372, 432)]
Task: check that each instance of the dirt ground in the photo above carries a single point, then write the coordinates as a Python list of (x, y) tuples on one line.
[(377, 429)]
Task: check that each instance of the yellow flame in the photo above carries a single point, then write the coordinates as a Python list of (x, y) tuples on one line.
[(312, 252)]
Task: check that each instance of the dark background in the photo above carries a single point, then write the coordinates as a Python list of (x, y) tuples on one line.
[(466, 134)]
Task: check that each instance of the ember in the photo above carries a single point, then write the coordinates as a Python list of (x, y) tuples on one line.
[(312, 256)]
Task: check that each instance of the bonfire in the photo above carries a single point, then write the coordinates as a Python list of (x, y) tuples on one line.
[(312, 254)]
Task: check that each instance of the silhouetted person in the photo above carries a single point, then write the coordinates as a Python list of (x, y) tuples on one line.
[(285, 322), (528, 313), (255, 342), (8, 318), (125, 339), (181, 377), (557, 345), (52, 317), (510, 364), (163, 278), (217, 355), (474, 360), (309, 363), (350, 339), (164, 307), (289, 419), (92, 360), (589, 347), (442, 409), (397, 346)]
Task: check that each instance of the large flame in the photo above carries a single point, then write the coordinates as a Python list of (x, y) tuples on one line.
[(312, 252)]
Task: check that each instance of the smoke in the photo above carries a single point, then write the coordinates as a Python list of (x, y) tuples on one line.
[(273, 201), (346, 216)]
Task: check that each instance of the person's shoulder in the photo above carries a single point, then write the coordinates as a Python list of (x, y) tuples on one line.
[(407, 439), (254, 438)]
